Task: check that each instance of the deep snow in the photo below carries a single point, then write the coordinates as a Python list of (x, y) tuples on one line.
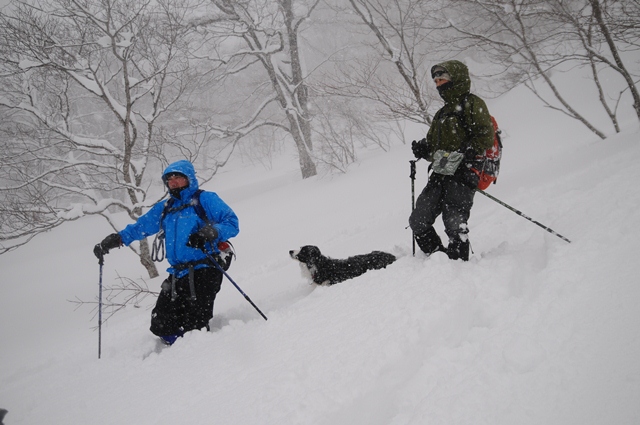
[(532, 330)]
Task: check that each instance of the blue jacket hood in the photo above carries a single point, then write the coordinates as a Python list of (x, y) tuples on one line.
[(184, 167)]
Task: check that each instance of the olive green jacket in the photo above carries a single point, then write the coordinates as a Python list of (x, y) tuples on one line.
[(447, 131)]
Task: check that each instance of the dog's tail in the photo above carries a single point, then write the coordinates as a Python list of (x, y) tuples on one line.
[(383, 259)]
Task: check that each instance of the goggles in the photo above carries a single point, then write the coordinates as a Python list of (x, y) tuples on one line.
[(170, 176), (441, 74)]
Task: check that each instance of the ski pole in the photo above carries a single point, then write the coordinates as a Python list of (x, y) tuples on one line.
[(101, 262), (413, 198), (523, 215), (215, 263)]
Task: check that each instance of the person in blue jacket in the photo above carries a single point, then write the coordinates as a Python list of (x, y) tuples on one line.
[(186, 300)]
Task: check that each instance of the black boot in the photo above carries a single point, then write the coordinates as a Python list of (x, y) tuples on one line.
[(458, 249), (429, 241)]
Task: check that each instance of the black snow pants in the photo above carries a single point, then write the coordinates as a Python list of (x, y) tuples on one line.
[(185, 305), (448, 196)]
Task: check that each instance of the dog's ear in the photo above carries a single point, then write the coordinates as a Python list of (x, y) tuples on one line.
[(316, 251), (310, 253), (302, 254)]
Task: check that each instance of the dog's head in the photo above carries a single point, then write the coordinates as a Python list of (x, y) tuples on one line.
[(307, 254)]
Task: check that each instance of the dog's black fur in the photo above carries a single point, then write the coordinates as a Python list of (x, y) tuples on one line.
[(329, 271)]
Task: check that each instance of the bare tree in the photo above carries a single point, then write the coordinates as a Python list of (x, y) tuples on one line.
[(392, 70), (606, 15), (85, 83), (532, 38), (255, 44), (117, 296), (342, 125)]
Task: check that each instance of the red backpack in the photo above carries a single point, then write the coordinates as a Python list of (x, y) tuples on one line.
[(488, 164)]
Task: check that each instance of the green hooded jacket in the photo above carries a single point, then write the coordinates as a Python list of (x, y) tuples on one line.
[(447, 131)]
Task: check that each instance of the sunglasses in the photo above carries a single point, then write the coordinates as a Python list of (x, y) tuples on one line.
[(439, 74), (171, 176)]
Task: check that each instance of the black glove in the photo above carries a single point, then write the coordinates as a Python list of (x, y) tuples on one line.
[(420, 148), (112, 241), (208, 233), (466, 176), (469, 155)]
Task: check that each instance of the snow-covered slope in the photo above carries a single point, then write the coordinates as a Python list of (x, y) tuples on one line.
[(532, 330)]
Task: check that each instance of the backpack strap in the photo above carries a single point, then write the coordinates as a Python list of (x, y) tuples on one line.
[(195, 203), (226, 248), (158, 247), (463, 120), (459, 112)]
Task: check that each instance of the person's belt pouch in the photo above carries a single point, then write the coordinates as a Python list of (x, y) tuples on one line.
[(446, 163)]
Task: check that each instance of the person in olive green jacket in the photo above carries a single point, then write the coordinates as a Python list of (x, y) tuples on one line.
[(462, 128)]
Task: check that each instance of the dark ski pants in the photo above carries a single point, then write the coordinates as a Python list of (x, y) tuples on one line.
[(183, 314), (442, 195)]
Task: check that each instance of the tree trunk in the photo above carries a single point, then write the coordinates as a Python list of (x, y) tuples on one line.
[(597, 13), (307, 166), (145, 259), (299, 119)]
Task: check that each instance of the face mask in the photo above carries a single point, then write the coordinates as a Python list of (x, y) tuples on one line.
[(444, 87), (176, 192)]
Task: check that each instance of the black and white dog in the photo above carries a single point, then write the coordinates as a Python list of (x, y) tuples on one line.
[(328, 271)]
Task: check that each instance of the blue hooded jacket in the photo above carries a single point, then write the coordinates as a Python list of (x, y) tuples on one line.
[(179, 224)]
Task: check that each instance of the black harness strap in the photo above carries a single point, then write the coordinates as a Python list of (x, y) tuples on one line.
[(158, 247), (192, 286)]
